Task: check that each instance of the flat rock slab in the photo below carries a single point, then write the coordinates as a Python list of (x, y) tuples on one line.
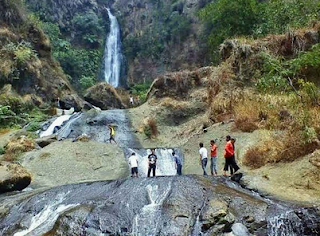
[(66, 162)]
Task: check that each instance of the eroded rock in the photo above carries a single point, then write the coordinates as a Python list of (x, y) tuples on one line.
[(13, 177)]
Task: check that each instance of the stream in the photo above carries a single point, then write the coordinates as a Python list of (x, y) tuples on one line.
[(167, 205), (183, 205)]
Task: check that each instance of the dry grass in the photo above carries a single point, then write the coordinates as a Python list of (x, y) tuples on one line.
[(280, 148), (152, 124), (149, 127), (18, 146)]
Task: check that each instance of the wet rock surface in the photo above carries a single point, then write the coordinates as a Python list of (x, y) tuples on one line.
[(13, 177), (95, 125), (186, 205)]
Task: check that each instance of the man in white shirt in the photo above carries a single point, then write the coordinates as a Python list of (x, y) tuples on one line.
[(203, 158), (133, 162)]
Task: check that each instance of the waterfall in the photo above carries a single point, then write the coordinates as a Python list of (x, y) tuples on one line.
[(147, 221), (57, 123), (165, 162), (45, 219), (112, 54)]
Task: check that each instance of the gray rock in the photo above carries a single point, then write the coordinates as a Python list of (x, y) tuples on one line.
[(239, 229), (13, 177)]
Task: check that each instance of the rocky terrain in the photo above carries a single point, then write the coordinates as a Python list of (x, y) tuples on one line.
[(187, 205), (157, 36)]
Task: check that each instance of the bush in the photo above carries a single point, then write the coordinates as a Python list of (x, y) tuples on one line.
[(87, 82), (277, 16), (2, 151), (141, 90), (151, 128), (287, 148), (22, 52), (33, 126), (228, 18)]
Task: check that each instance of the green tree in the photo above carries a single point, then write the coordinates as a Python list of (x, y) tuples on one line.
[(229, 18), (277, 16)]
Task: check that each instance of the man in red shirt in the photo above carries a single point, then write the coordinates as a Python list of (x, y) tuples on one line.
[(214, 150), (229, 156)]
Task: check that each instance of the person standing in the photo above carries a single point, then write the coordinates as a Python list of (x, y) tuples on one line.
[(213, 154), (152, 163), (203, 158), (112, 134), (133, 162), (131, 101), (58, 103), (233, 164), (178, 162), (228, 153)]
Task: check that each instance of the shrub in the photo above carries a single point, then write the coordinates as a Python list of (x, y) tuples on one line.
[(151, 128), (87, 82), (277, 16), (227, 18), (18, 146), (289, 147), (33, 126), (2, 150), (22, 52)]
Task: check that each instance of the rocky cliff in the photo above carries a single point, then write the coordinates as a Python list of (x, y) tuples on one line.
[(26, 61), (157, 36)]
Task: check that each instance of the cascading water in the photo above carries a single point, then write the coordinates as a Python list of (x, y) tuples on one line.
[(146, 222), (46, 218), (57, 123), (165, 162), (112, 54)]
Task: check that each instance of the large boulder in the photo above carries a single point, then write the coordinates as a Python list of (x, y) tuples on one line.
[(104, 96), (13, 177)]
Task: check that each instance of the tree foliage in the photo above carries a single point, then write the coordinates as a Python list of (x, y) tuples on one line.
[(230, 18)]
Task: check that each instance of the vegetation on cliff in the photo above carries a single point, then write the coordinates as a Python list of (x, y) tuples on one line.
[(231, 18)]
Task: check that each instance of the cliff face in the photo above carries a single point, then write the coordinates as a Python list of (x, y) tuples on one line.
[(161, 36), (26, 61), (157, 36)]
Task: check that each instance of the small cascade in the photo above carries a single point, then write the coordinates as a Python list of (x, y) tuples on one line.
[(112, 54), (290, 223), (146, 222), (56, 123), (45, 219), (165, 162), (65, 131)]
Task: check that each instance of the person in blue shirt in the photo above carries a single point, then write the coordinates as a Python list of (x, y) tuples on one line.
[(178, 162)]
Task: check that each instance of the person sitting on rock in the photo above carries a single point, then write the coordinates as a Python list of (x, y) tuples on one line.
[(133, 162), (112, 134), (152, 163)]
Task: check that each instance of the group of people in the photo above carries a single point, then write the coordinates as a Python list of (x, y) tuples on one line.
[(229, 155), (152, 163)]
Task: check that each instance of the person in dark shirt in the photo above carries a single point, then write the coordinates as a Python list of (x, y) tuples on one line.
[(152, 163), (178, 162)]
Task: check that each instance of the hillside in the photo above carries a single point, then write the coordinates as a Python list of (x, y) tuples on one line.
[(29, 77), (273, 115), (157, 36)]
